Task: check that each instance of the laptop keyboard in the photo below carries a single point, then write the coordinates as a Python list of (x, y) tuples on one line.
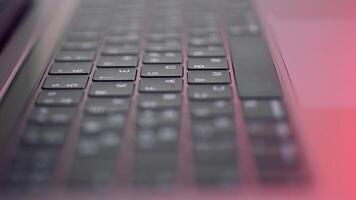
[(158, 92)]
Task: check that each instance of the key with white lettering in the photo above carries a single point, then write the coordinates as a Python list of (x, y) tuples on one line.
[(161, 85), (162, 71), (65, 82), (208, 77), (115, 74)]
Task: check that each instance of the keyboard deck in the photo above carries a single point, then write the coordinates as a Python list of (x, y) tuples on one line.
[(158, 93)]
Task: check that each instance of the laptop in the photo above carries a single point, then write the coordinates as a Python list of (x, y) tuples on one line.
[(178, 99)]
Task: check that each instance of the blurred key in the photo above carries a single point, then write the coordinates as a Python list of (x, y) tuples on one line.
[(118, 61), (111, 89), (59, 97), (75, 56), (161, 85), (163, 58), (106, 105), (65, 82), (51, 115), (120, 50), (263, 109), (211, 51), (162, 71), (71, 68), (207, 63), (115, 74), (209, 92), (156, 101), (208, 77)]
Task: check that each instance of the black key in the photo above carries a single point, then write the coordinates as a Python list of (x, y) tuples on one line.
[(115, 40), (148, 119), (162, 71), (81, 45), (163, 58), (101, 146), (65, 82), (209, 92), (254, 69), (161, 37), (120, 50), (206, 109), (117, 61), (118, 89), (115, 74), (213, 40), (263, 109), (277, 131), (98, 124), (44, 136), (92, 173), (216, 130), (221, 175), (163, 139), (59, 97), (207, 63), (71, 68), (106, 105), (83, 36), (52, 115), (164, 46), (161, 85), (157, 101), (75, 56), (208, 77), (211, 51)]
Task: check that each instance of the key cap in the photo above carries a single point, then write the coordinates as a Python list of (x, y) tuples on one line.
[(51, 115), (101, 146), (158, 101), (207, 109), (80, 45), (75, 56), (214, 131), (44, 136), (117, 89), (114, 40), (71, 68), (147, 119), (115, 74), (208, 77), (97, 124), (213, 40), (59, 98), (163, 58), (163, 139), (120, 50), (160, 37), (211, 51), (99, 106), (270, 131), (170, 46), (65, 82), (117, 61), (221, 175), (263, 109), (83, 36), (254, 69), (209, 92), (161, 85), (207, 63), (162, 71)]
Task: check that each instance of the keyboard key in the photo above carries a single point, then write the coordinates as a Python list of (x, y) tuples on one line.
[(221, 175), (211, 51), (208, 109), (101, 146), (163, 139), (161, 85), (212, 40), (207, 63), (209, 92), (120, 50), (115, 40), (163, 58), (83, 36), (44, 136), (158, 101), (75, 56), (65, 82), (115, 74), (214, 130), (263, 109), (117, 89), (80, 45), (98, 124), (208, 77), (147, 119), (164, 46), (51, 115), (59, 98), (71, 68), (162, 71), (117, 61), (254, 69), (100, 106)]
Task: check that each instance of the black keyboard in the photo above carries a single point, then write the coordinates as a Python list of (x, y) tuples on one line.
[(158, 92)]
